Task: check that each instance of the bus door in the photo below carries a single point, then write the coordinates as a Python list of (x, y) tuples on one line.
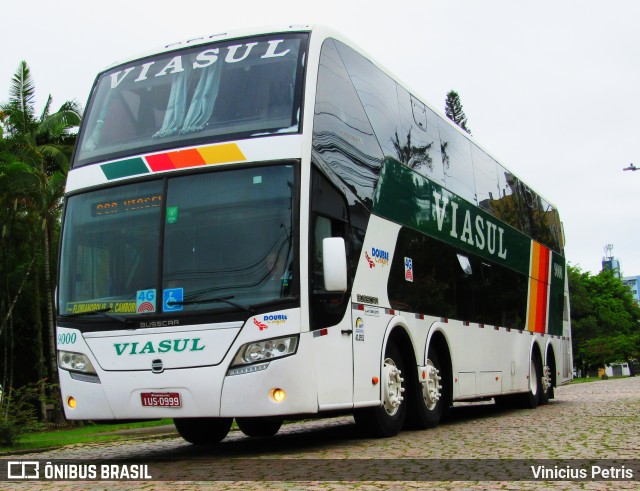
[(330, 319)]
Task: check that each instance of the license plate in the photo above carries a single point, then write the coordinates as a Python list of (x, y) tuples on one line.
[(161, 399)]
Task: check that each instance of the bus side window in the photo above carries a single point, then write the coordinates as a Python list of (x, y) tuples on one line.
[(327, 308), (329, 218), (322, 230)]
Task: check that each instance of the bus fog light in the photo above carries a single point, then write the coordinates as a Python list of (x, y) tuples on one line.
[(278, 395), (71, 402), (75, 362)]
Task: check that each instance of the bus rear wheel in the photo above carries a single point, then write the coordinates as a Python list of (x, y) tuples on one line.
[(203, 431), (387, 419), (531, 399), (259, 426), (430, 398), (546, 386)]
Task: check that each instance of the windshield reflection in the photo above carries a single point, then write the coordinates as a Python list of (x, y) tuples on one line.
[(236, 88), (227, 244), (230, 233)]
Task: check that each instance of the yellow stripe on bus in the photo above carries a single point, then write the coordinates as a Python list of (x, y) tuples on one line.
[(220, 154), (533, 286)]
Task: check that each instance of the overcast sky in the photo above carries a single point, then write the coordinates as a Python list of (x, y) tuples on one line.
[(551, 88)]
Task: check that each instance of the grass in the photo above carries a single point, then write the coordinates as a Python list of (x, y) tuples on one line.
[(582, 380), (90, 433)]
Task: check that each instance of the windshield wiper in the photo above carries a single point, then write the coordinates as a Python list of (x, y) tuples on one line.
[(102, 312), (226, 300)]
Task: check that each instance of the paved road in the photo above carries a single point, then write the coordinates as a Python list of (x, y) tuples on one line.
[(599, 420)]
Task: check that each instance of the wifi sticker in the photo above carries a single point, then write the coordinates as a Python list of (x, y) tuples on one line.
[(146, 301)]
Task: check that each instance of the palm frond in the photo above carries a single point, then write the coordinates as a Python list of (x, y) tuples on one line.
[(57, 124), (73, 106), (22, 93), (18, 179), (54, 192), (47, 108), (60, 155)]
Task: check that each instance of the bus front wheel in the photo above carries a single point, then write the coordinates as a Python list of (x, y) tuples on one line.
[(259, 426), (203, 431), (387, 419)]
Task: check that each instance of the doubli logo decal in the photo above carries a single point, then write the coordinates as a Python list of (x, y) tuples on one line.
[(275, 319), (260, 325), (270, 320), (368, 258), (379, 256)]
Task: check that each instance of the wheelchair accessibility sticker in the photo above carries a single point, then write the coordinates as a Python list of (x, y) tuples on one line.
[(172, 299)]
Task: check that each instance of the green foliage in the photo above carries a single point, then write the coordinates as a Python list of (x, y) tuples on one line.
[(35, 153), (18, 413), (58, 436), (453, 110), (605, 320)]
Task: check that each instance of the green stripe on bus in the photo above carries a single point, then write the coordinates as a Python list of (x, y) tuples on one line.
[(124, 168), (556, 295), (407, 198)]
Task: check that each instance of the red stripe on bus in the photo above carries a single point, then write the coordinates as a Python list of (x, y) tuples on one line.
[(159, 162)]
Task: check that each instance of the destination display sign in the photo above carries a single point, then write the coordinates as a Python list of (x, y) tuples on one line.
[(134, 203)]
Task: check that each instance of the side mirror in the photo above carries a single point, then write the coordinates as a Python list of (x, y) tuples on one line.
[(334, 264)]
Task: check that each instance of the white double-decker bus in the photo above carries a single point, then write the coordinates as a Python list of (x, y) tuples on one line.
[(267, 225)]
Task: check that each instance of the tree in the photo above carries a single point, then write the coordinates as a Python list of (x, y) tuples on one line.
[(453, 110), (35, 162), (605, 320)]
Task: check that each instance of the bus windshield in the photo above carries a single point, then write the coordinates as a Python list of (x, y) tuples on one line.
[(233, 89), (212, 241)]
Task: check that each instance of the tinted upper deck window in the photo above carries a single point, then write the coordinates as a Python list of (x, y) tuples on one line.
[(234, 89)]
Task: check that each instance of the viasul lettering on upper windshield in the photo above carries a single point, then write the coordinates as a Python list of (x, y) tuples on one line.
[(231, 54)]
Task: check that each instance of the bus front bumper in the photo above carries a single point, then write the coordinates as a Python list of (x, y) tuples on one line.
[(281, 388)]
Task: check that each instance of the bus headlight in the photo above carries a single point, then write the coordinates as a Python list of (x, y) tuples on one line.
[(267, 350), (75, 362)]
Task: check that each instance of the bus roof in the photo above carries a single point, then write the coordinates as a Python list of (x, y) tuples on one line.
[(209, 38), (322, 32)]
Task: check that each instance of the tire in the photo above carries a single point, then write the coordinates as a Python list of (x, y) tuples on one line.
[(551, 393), (203, 431), (531, 399), (387, 419), (429, 399), (259, 426)]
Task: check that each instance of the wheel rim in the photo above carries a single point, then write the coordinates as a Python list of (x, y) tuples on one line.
[(431, 388), (392, 387), (546, 378), (533, 379)]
